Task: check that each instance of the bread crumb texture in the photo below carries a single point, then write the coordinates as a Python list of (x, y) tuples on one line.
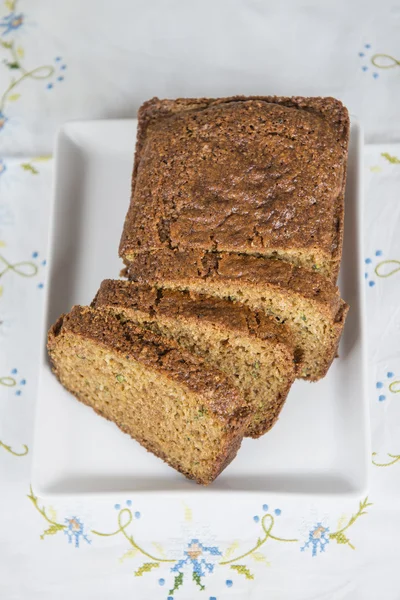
[(252, 349), (306, 302), (175, 405)]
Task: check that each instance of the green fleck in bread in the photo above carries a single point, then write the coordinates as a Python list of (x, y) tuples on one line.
[(171, 402), (305, 301), (255, 175), (251, 348)]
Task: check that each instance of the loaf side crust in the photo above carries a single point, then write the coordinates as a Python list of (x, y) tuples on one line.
[(254, 175)]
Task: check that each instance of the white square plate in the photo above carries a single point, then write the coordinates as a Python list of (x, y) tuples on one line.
[(321, 442)]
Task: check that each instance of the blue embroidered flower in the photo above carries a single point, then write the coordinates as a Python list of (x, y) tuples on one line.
[(318, 538), (195, 557), (11, 22), (3, 120), (74, 531), (3, 167)]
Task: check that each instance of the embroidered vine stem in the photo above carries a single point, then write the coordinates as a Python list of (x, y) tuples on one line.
[(395, 269), (395, 458), (34, 74), (339, 534), (393, 387), (11, 451), (386, 57), (43, 72), (261, 541), (8, 381), (122, 529), (34, 500), (24, 268), (54, 526)]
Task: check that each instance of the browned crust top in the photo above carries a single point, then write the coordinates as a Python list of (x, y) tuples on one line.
[(245, 174), (176, 304), (216, 390), (258, 272)]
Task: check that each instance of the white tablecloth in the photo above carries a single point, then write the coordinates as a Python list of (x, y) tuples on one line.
[(69, 60)]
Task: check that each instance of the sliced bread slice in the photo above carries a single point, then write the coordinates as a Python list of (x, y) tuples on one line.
[(305, 301), (170, 401), (249, 347)]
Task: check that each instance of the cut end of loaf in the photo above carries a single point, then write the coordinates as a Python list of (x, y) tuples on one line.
[(165, 404)]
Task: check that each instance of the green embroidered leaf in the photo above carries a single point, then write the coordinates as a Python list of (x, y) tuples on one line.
[(365, 503), (31, 495), (188, 512), (392, 159), (361, 511), (259, 557), (129, 554), (145, 568), (43, 158), (52, 530), (7, 45), (13, 65), (342, 522), (13, 97), (340, 538), (178, 581), (231, 549), (30, 168), (51, 513), (159, 549), (243, 571), (196, 578), (20, 52)]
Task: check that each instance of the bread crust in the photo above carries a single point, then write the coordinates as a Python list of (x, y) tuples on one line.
[(261, 175), (226, 315)]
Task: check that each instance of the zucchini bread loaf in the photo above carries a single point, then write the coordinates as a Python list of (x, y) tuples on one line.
[(256, 175), (305, 301), (251, 348), (172, 402)]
